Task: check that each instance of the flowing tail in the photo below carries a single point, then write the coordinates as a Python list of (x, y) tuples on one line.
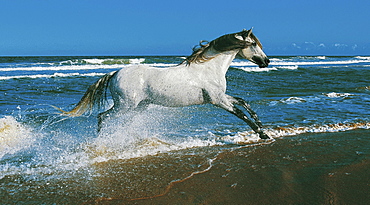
[(94, 95)]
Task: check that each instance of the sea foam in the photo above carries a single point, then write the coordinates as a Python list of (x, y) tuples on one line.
[(249, 137), (14, 136)]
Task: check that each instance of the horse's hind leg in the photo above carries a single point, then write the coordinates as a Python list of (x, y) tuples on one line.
[(102, 117), (119, 109)]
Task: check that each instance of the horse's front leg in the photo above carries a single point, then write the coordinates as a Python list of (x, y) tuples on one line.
[(230, 106), (246, 106)]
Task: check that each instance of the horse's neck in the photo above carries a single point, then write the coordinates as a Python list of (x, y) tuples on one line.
[(219, 62)]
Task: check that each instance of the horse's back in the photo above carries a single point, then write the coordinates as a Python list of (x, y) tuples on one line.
[(128, 78)]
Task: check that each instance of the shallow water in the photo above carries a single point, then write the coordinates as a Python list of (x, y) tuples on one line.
[(46, 158)]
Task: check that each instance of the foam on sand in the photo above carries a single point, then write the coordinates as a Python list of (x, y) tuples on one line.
[(250, 137)]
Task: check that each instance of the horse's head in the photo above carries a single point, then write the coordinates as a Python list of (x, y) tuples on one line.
[(247, 44), (252, 50)]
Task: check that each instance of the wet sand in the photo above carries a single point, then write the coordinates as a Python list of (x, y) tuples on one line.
[(324, 168), (317, 168)]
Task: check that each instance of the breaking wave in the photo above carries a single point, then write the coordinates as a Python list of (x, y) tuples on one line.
[(55, 75), (291, 63)]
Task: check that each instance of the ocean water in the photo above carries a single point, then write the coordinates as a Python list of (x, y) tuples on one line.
[(48, 158)]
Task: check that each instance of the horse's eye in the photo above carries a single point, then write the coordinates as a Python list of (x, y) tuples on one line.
[(254, 44)]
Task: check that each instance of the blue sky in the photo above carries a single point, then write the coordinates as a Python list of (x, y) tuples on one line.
[(170, 27)]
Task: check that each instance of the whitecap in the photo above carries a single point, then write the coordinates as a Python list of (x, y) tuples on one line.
[(137, 60), (288, 67), (293, 100), (62, 75), (257, 69), (276, 60), (94, 61), (363, 57), (326, 62), (321, 57), (337, 95), (65, 68)]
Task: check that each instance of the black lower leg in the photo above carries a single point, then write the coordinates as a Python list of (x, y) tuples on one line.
[(255, 127), (252, 113)]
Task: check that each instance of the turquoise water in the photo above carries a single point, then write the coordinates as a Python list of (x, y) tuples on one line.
[(39, 148)]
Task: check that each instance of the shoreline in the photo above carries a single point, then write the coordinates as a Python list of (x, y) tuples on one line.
[(303, 169)]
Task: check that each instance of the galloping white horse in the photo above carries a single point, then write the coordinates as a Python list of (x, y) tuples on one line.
[(199, 79)]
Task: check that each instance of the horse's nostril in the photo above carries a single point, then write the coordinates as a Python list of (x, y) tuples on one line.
[(261, 62)]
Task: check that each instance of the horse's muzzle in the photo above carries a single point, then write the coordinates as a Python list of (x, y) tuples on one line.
[(261, 62)]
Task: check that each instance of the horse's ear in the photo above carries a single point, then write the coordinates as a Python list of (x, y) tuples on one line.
[(246, 33), (250, 31)]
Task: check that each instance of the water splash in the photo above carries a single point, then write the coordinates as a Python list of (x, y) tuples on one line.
[(14, 136)]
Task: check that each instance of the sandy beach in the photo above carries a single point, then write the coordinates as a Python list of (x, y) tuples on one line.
[(324, 168)]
